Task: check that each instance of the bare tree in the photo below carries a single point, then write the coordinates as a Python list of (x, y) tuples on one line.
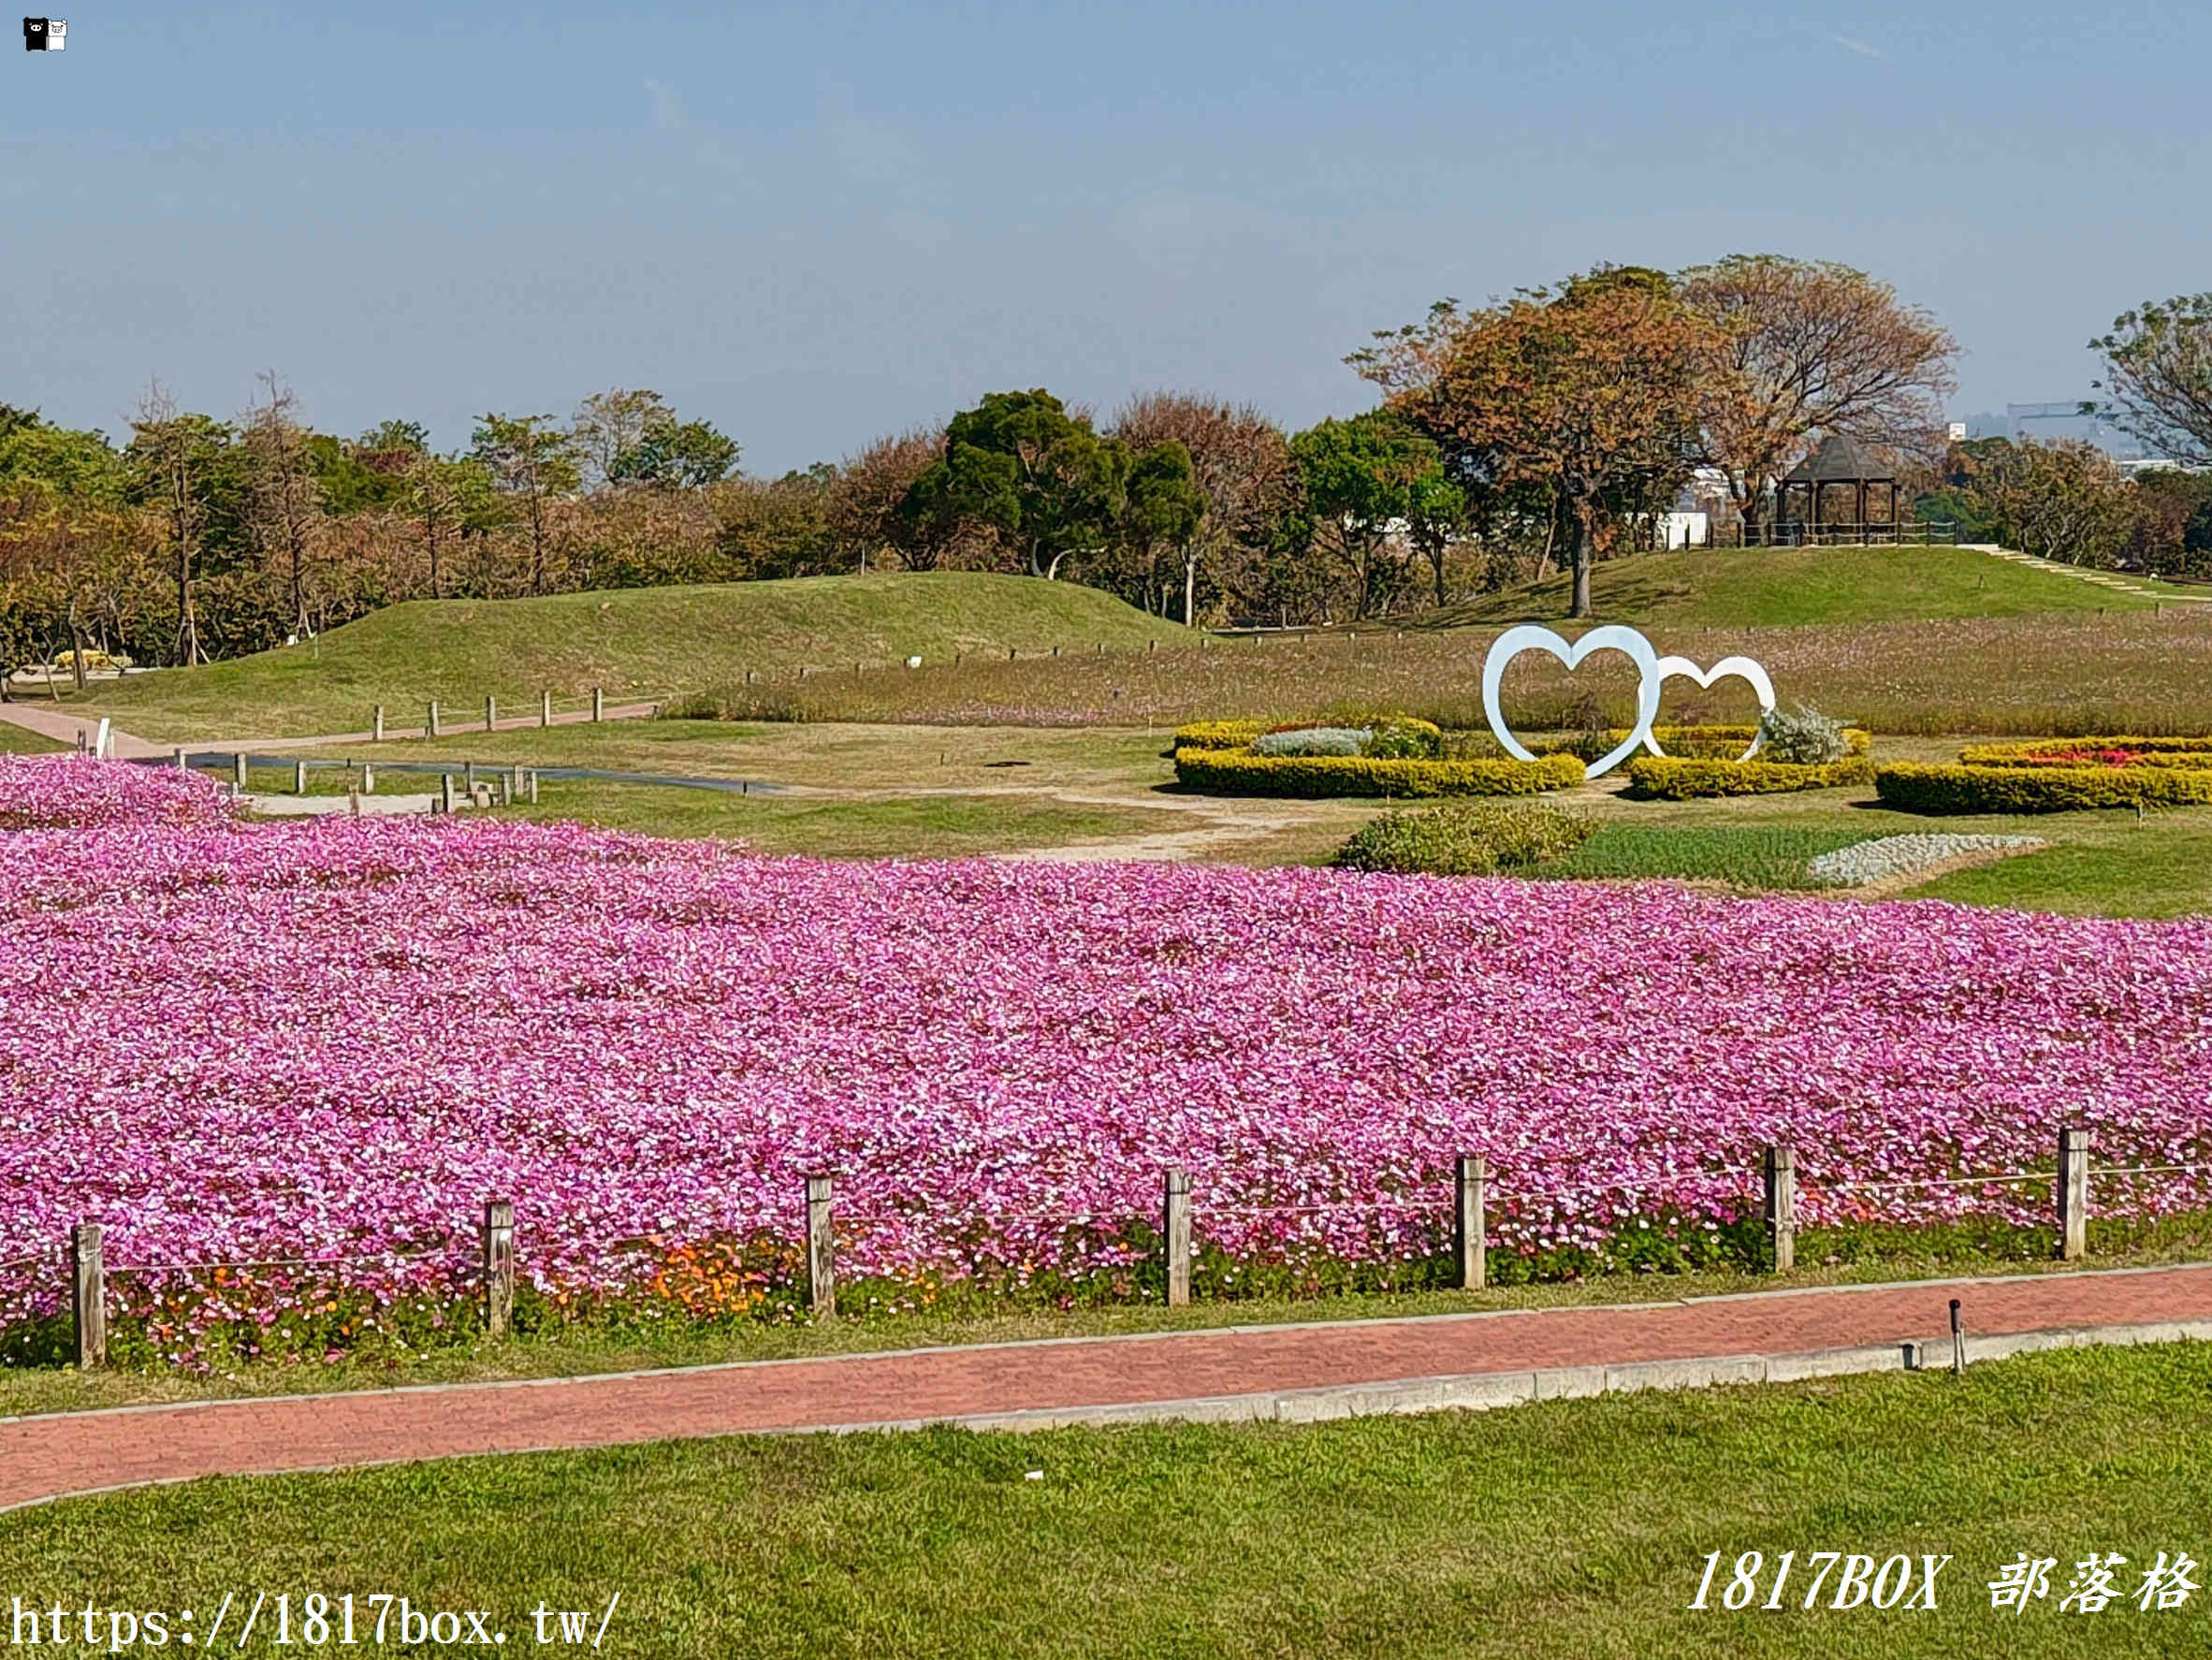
[(172, 448), (2158, 375), (1811, 348), (1240, 462), (285, 503)]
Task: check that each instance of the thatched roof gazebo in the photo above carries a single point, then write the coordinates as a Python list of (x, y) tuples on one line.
[(1842, 462)]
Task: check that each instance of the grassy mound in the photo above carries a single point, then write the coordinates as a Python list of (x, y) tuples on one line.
[(1764, 586), (645, 642)]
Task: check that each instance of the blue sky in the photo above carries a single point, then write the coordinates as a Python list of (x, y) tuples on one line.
[(815, 224)]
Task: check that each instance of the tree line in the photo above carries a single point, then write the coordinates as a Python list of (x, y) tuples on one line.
[(1546, 430)]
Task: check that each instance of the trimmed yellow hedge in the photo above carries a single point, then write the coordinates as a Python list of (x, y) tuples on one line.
[(1217, 735), (2039, 789), (2149, 752), (1858, 739), (1672, 778), (1233, 772)]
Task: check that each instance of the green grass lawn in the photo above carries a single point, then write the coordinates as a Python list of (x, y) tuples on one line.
[(1753, 856), (17, 740), (907, 827), (1571, 1528), (1771, 586), (638, 641)]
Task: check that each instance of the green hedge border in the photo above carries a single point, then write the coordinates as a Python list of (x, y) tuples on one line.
[(1217, 735), (1670, 777), (1233, 772), (1917, 789)]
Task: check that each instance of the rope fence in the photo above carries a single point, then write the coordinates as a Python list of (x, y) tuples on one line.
[(1474, 1191)]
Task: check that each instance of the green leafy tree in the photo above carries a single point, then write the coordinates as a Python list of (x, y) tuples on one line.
[(1358, 480), (1162, 508), (678, 454), (1021, 465), (532, 461)]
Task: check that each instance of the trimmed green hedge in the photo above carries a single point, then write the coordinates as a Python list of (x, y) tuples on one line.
[(2148, 751), (1217, 735), (1671, 777), (1233, 772), (1916, 789), (1857, 738)]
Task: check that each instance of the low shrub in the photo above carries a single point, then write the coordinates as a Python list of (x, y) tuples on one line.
[(1724, 743), (1801, 737), (1466, 838), (1674, 777), (1401, 737), (1239, 772), (1313, 740), (2093, 751), (1917, 789)]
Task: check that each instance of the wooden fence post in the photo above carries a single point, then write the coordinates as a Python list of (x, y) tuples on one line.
[(821, 1260), (533, 787), (446, 792), (506, 789), (431, 726), (376, 725), (180, 767), (2073, 1194), (1781, 1206), (368, 779), (1472, 1180), (598, 704), (1176, 1234), (491, 712), (499, 1266), (298, 777), (89, 1279), (544, 708), (469, 776)]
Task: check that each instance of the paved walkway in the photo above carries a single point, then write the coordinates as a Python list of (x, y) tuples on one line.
[(49, 721), (1294, 1373), (2112, 579)]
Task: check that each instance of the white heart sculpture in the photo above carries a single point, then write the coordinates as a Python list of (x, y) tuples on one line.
[(1528, 636), (1741, 668)]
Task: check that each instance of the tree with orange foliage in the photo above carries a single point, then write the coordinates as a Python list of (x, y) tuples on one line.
[(1812, 348), (1590, 391)]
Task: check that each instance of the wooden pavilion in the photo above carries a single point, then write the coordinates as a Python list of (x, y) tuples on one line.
[(1838, 463)]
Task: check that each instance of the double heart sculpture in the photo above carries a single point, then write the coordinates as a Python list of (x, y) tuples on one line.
[(1656, 672)]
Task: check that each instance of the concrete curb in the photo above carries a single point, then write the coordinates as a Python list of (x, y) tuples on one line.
[(1483, 1390)]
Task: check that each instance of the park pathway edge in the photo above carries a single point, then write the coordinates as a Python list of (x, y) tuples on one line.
[(1274, 1374)]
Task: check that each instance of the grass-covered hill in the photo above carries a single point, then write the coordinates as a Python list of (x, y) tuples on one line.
[(634, 641), (1762, 587)]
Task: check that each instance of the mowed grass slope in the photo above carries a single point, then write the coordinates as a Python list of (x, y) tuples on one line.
[(639, 642), (16, 740), (1568, 1528), (1793, 587)]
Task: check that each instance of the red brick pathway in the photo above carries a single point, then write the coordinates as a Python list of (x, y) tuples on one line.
[(43, 1457)]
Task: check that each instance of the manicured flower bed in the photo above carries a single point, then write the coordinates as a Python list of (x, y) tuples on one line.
[(240, 1043)]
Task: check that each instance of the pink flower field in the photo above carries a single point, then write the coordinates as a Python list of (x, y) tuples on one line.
[(233, 1043)]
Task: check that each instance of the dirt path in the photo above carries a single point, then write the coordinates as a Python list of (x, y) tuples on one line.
[(1298, 1373)]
